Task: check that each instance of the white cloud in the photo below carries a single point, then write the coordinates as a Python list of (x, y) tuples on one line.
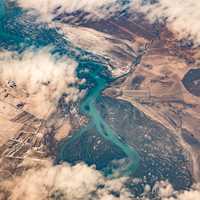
[(43, 77), (70, 182), (188, 195), (164, 189), (95, 9), (80, 181), (182, 16), (166, 192), (41, 180)]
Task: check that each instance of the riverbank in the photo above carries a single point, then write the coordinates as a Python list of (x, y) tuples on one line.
[(96, 77)]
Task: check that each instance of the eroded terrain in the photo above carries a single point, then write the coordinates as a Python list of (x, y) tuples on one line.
[(153, 104), (161, 85), (25, 136)]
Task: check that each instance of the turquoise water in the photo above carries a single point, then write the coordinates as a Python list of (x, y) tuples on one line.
[(2, 8), (96, 77), (88, 107), (19, 32)]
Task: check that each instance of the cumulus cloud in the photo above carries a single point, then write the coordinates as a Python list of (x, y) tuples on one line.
[(181, 16), (65, 182), (49, 9), (192, 194), (41, 77), (165, 191), (42, 180)]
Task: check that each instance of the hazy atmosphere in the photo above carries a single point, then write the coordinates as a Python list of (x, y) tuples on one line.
[(99, 100)]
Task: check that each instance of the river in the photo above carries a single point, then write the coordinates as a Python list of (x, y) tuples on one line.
[(87, 105), (88, 108), (2, 8)]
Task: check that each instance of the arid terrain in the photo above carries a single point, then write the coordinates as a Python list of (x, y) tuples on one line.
[(99, 90), (161, 86), (26, 137)]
